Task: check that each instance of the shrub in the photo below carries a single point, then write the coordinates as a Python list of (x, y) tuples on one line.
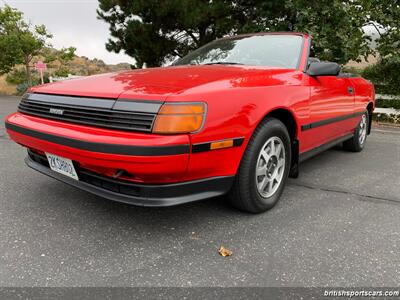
[(388, 103), (386, 118), (351, 70), (16, 76), (385, 75), (21, 88), (62, 72)]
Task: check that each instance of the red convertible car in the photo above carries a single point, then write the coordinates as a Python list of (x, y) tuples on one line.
[(235, 116)]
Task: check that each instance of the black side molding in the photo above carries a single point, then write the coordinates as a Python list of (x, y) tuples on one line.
[(294, 168), (102, 147), (330, 121)]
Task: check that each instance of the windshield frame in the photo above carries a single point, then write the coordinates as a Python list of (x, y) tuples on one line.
[(242, 36)]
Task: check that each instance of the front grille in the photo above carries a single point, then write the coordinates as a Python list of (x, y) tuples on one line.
[(92, 116)]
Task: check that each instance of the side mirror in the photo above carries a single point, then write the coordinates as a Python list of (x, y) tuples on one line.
[(323, 69)]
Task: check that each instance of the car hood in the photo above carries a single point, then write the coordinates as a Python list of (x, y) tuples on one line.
[(159, 83)]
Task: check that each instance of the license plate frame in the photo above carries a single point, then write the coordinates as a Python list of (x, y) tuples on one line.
[(62, 165)]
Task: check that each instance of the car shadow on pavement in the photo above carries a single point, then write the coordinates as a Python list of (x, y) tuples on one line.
[(94, 208)]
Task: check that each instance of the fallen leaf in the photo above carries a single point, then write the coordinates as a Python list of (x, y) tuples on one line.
[(224, 252)]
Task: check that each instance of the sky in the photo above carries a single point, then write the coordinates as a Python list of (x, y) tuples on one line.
[(72, 23)]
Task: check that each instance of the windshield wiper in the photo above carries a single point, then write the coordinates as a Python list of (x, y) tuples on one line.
[(223, 63)]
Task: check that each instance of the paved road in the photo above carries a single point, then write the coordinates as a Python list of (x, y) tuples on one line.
[(337, 225)]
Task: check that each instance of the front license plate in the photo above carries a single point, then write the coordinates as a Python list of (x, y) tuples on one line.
[(62, 165)]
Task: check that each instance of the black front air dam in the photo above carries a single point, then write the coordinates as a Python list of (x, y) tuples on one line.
[(140, 194)]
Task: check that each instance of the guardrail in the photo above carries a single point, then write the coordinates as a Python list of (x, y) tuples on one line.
[(390, 111), (387, 97)]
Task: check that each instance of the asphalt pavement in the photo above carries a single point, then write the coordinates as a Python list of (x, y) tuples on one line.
[(338, 224)]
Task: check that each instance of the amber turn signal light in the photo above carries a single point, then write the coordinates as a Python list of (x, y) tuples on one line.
[(179, 118), (221, 144)]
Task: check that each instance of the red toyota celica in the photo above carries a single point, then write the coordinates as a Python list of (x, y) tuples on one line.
[(235, 117)]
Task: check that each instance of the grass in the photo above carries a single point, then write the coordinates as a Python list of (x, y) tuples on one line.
[(6, 88)]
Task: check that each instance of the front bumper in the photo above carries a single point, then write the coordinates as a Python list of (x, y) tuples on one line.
[(130, 167), (137, 194), (146, 158)]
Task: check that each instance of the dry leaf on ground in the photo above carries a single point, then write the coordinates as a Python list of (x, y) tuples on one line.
[(224, 252)]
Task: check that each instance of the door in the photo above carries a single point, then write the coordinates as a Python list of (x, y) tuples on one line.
[(331, 108)]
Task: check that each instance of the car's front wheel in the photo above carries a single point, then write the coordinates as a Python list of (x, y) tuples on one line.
[(264, 168)]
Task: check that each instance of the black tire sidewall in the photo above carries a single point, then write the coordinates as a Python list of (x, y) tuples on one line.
[(268, 129)]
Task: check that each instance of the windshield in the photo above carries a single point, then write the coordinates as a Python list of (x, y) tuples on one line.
[(260, 50)]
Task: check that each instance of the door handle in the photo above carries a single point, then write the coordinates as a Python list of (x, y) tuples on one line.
[(350, 90)]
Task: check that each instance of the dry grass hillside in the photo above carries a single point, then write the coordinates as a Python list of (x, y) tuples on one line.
[(80, 65), (363, 63), (83, 66), (5, 88)]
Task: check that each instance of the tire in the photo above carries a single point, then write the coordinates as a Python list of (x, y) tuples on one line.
[(357, 142), (255, 193)]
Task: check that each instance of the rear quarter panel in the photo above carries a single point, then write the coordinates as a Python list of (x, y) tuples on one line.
[(364, 93)]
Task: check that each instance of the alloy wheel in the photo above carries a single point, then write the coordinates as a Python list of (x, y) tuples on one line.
[(270, 167), (362, 130)]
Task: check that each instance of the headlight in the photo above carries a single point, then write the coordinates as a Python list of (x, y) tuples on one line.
[(180, 118)]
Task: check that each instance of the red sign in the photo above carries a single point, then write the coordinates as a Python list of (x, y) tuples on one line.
[(40, 66)]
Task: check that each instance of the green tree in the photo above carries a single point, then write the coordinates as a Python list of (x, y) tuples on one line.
[(154, 32), (19, 41), (63, 56), (10, 20), (384, 15), (336, 27)]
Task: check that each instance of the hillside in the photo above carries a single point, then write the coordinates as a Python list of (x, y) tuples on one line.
[(79, 65), (84, 66)]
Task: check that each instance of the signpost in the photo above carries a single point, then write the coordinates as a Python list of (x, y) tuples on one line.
[(40, 67)]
